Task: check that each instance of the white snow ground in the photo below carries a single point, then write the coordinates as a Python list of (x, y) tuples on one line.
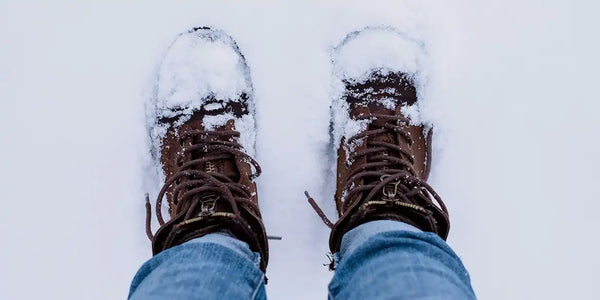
[(512, 95)]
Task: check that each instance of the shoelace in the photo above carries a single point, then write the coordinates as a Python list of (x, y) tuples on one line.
[(193, 185), (398, 180)]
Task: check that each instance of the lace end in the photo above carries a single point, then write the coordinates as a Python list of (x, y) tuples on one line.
[(318, 210), (331, 264), (148, 218)]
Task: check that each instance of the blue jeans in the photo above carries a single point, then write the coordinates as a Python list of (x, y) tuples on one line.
[(377, 260)]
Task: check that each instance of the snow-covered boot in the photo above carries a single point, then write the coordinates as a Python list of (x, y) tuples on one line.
[(384, 152), (203, 133)]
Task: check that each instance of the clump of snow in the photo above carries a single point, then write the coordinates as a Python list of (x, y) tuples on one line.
[(412, 113), (213, 106), (358, 56), (212, 122), (245, 125), (376, 48), (388, 103), (200, 64)]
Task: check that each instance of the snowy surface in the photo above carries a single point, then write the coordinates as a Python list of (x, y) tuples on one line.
[(511, 92)]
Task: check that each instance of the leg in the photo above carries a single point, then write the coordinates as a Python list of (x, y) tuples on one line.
[(215, 266), (389, 237), (214, 244), (393, 260)]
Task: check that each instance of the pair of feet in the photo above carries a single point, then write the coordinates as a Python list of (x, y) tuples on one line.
[(203, 136)]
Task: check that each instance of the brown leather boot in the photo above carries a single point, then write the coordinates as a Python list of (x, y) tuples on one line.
[(203, 129), (383, 156)]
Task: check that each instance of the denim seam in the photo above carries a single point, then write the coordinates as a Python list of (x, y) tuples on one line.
[(329, 294), (258, 286)]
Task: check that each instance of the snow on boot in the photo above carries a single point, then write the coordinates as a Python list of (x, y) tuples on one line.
[(384, 152), (203, 131)]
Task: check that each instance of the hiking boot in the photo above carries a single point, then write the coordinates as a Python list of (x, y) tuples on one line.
[(203, 133), (384, 153)]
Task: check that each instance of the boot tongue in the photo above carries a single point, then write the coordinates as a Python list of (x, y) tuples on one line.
[(225, 166), (389, 137), (229, 167), (377, 108)]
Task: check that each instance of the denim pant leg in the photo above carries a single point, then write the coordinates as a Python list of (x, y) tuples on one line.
[(393, 260), (215, 266)]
